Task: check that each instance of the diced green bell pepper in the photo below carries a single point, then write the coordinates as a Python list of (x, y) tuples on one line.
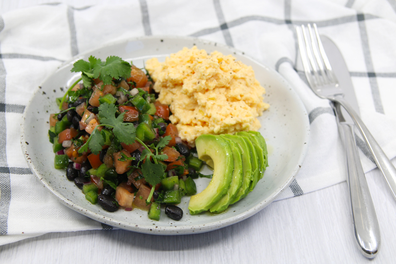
[(146, 119), (169, 182), (100, 172), (92, 197), (108, 98), (155, 211), (90, 187), (190, 186), (62, 125), (152, 110), (61, 161), (56, 146), (140, 103), (172, 197), (144, 132), (194, 163)]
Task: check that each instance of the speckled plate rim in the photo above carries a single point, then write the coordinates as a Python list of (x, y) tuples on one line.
[(173, 229)]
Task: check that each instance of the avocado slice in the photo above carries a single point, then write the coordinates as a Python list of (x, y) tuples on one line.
[(263, 146), (246, 165), (254, 152), (236, 181), (213, 150)]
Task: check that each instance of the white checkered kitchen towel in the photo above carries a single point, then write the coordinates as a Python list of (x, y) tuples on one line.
[(35, 41)]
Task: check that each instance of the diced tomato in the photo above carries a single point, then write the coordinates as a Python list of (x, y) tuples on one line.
[(131, 113), (173, 154), (141, 197), (94, 160), (137, 76), (124, 85), (127, 187), (94, 100), (124, 197), (91, 126), (72, 153), (131, 147), (65, 106), (171, 130), (67, 134), (162, 110), (77, 87), (53, 119), (121, 166), (81, 108), (174, 164), (109, 89)]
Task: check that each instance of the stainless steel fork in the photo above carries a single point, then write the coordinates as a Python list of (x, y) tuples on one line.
[(324, 84)]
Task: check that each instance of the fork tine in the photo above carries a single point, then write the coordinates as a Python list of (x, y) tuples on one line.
[(314, 66), (327, 67)]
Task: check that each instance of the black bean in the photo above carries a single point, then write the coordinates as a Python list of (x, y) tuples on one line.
[(155, 195), (183, 149), (85, 167), (174, 212), (71, 173), (108, 203), (79, 101), (70, 114), (61, 115), (102, 154), (136, 154), (108, 190), (76, 122), (80, 181)]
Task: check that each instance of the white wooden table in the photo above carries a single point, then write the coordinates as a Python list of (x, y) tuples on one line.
[(313, 228)]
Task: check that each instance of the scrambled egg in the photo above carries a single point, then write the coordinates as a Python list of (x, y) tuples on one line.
[(208, 93)]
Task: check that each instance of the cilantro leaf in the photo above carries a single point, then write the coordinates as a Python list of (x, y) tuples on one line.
[(161, 157), (87, 81), (124, 132), (163, 142), (153, 173), (114, 67), (96, 141)]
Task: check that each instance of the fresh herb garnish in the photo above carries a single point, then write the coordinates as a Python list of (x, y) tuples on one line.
[(113, 68)]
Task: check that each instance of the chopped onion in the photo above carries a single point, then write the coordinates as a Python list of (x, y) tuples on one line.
[(176, 187), (178, 139), (121, 97), (60, 152), (172, 173), (134, 91), (77, 166), (128, 209), (66, 143)]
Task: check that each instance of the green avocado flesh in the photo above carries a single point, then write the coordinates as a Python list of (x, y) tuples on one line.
[(213, 150), (259, 156), (236, 181), (246, 164), (263, 146), (238, 161)]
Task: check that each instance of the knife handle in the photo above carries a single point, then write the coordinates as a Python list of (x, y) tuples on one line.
[(366, 228), (384, 164)]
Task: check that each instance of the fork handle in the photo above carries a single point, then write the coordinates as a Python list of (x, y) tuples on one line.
[(384, 164), (366, 228)]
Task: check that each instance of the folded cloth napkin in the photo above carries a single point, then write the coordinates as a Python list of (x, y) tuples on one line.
[(35, 41)]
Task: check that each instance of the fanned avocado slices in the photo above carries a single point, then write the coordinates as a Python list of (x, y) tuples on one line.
[(214, 150), (236, 182)]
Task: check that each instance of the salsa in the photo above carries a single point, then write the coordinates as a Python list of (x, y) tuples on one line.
[(114, 139)]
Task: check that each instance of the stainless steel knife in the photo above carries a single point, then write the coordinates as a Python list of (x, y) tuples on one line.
[(365, 221)]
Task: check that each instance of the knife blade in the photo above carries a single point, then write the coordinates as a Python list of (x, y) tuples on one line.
[(366, 228)]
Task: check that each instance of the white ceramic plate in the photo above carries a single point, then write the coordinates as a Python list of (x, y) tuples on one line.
[(285, 127)]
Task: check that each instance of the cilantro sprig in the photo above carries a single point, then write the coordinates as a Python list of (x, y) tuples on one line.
[(112, 68)]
